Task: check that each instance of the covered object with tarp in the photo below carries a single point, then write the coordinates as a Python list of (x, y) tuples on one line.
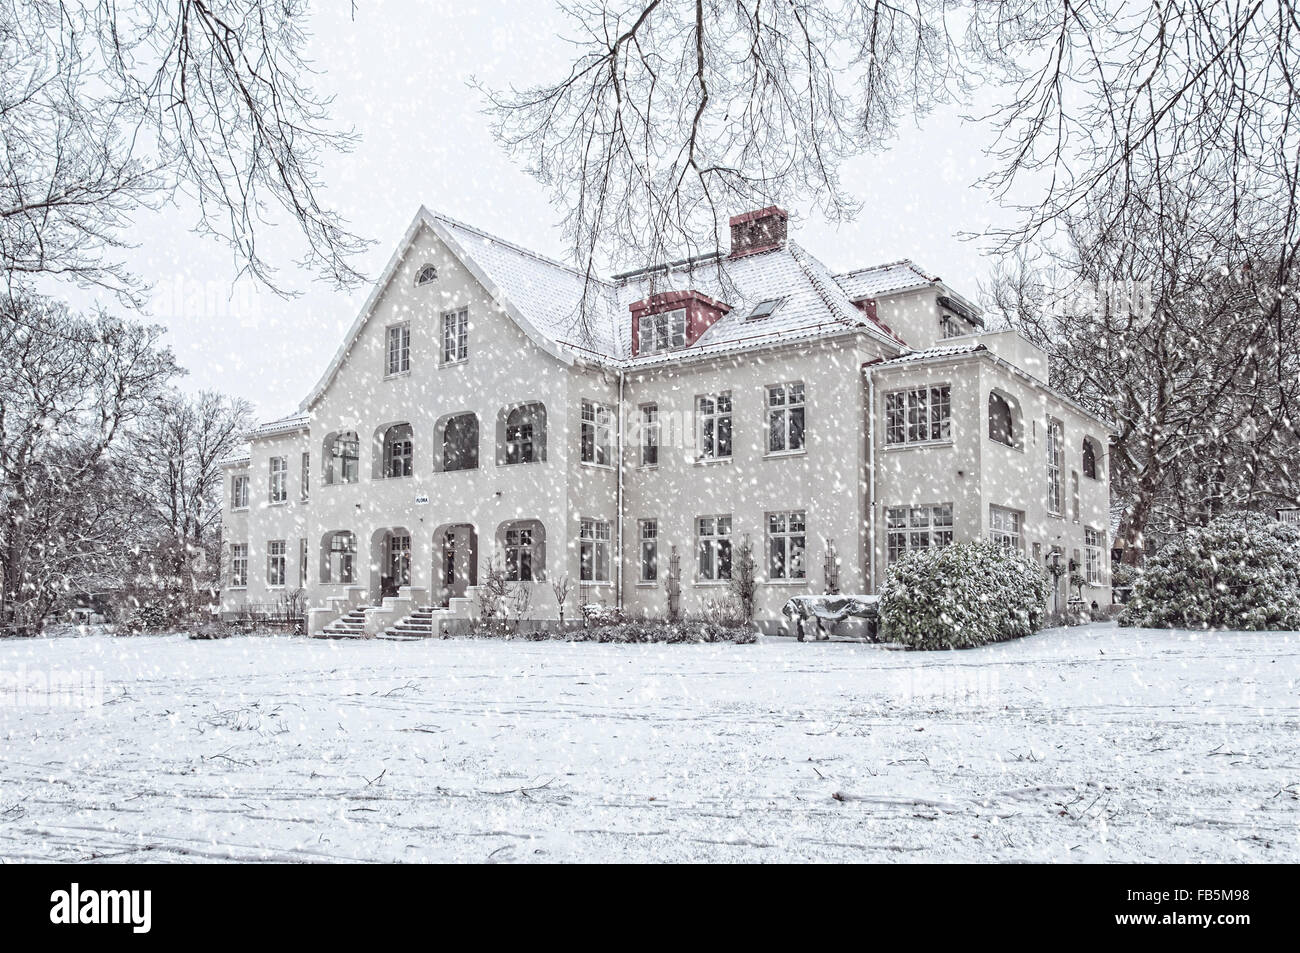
[(819, 614)]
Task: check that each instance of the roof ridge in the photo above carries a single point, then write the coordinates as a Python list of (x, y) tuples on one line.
[(890, 264), (523, 250)]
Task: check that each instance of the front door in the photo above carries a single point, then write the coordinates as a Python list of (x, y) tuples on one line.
[(399, 565), (456, 567)]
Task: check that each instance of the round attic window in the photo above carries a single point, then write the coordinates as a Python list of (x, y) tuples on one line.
[(426, 274)]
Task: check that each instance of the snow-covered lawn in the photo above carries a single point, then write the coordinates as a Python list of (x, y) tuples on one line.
[(1084, 744)]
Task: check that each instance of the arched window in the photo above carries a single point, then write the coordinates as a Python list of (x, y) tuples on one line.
[(1003, 420), (524, 545), (460, 443), (339, 556), (342, 454), (397, 452), (1090, 457), (426, 274), (521, 434)]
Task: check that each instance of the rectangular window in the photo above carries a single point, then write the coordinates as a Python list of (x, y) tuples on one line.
[(661, 332), (713, 420), (239, 491), (306, 475), (949, 326), (399, 349), (919, 415), (238, 565), (1092, 547), (302, 564), (455, 336), (593, 551), (519, 554), (1055, 461), (1004, 527), (279, 479), (917, 527), (650, 435), (597, 433), (343, 552), (649, 550), (275, 563), (713, 554), (785, 418), (786, 545)]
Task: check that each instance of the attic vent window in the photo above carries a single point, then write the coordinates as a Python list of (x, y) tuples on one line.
[(426, 274), (764, 309), (662, 332)]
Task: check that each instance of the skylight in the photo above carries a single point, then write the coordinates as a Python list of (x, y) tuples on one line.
[(764, 309)]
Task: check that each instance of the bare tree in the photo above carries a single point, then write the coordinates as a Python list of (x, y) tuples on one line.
[(71, 389), (1185, 338), (674, 112), (107, 108), (176, 482)]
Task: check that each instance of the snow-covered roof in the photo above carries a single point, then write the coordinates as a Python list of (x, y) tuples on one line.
[(937, 352), (890, 278), (237, 458), (298, 421), (574, 315)]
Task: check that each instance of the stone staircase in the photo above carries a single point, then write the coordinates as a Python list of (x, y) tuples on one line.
[(420, 624), (351, 625)]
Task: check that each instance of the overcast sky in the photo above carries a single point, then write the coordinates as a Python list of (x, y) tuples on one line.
[(399, 73)]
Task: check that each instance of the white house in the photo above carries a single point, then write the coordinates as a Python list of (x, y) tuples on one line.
[(492, 404)]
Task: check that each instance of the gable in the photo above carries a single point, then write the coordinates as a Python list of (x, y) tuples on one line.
[(462, 279)]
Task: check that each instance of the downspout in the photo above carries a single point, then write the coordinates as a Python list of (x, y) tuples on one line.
[(871, 476), (618, 544)]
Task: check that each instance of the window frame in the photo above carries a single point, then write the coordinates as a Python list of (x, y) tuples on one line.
[(600, 426), (1054, 444), (664, 331), (651, 540), (594, 551), (304, 477), (651, 434), (239, 483), (1094, 547), (710, 423), (277, 563), (1013, 538), (714, 543), (347, 558), (277, 480), (783, 536), (785, 410), (910, 530), (515, 549), (239, 565), (397, 350), (1091, 448), (423, 276), (906, 413), (455, 337), (399, 453)]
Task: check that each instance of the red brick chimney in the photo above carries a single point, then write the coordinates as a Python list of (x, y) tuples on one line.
[(758, 231)]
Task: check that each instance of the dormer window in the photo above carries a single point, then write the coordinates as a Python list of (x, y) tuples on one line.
[(764, 309), (665, 331), (949, 325), (425, 275)]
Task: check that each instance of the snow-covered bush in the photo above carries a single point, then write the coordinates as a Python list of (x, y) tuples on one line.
[(1242, 571), (960, 596)]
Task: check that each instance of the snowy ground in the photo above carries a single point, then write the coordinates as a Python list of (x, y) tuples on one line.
[(1084, 744)]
